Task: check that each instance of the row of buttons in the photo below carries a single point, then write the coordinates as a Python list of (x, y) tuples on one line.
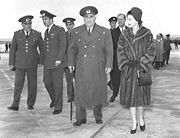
[(26, 46)]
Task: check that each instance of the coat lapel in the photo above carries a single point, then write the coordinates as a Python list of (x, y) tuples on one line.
[(94, 34)]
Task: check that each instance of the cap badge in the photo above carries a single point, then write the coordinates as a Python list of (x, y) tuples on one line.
[(88, 11)]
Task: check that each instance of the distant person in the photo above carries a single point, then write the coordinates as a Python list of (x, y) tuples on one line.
[(69, 22), (115, 72), (159, 52), (112, 22), (135, 55), (167, 48), (6, 47), (24, 57), (90, 53), (55, 60), (176, 44)]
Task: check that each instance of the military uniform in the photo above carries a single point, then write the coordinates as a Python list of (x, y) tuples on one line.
[(55, 49), (69, 76), (25, 57), (92, 53)]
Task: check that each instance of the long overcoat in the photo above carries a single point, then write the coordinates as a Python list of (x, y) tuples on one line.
[(139, 47), (159, 50), (92, 53)]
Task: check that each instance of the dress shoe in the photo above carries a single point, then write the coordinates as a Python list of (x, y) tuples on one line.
[(133, 131), (30, 107), (13, 108), (52, 104), (112, 99), (99, 121), (56, 112), (142, 127), (79, 122)]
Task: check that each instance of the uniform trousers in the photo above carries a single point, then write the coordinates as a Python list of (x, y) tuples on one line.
[(19, 83), (81, 112), (115, 79), (69, 80), (53, 80)]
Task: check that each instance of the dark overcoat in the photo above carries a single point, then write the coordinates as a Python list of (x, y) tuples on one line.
[(139, 47), (23, 52), (92, 53)]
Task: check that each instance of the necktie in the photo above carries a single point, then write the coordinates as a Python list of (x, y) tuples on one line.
[(89, 31), (47, 31), (27, 35)]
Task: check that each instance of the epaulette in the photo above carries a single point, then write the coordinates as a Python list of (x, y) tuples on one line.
[(36, 31), (18, 31)]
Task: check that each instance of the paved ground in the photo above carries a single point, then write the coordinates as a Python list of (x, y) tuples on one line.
[(162, 117)]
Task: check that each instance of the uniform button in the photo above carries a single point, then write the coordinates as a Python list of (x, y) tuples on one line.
[(93, 46), (79, 39), (47, 49), (85, 55), (26, 50), (47, 38), (26, 47), (26, 44), (85, 46), (47, 42), (47, 45)]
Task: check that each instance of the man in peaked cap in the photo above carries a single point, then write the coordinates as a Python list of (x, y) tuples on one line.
[(55, 60), (90, 53), (24, 57), (69, 22), (112, 22)]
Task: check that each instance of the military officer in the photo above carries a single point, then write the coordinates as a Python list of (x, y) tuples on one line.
[(112, 22), (55, 60), (25, 57), (115, 72), (69, 22), (91, 54)]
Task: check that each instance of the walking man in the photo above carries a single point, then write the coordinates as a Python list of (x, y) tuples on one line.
[(91, 54)]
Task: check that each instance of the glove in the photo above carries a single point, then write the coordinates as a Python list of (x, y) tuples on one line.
[(132, 63)]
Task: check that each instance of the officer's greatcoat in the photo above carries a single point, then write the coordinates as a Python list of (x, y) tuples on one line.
[(92, 53)]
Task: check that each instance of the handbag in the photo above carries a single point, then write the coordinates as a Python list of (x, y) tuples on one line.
[(144, 78)]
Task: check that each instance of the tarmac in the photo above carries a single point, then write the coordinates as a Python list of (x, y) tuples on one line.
[(162, 117)]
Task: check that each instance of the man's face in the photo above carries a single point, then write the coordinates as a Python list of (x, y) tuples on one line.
[(89, 20), (113, 24), (27, 27), (121, 20), (69, 26), (47, 21)]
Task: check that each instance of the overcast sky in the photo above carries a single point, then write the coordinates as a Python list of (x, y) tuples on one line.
[(158, 15)]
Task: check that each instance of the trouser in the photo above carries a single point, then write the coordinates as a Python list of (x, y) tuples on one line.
[(19, 83), (115, 79), (69, 80), (81, 112), (53, 80), (167, 57)]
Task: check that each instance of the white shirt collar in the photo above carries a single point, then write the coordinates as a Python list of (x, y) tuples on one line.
[(50, 26), (121, 29)]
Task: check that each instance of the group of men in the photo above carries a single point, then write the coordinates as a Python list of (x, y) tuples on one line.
[(87, 53), (162, 50)]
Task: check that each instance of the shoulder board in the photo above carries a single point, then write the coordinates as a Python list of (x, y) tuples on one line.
[(18, 31)]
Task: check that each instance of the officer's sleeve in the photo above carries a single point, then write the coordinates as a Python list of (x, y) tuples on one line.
[(62, 48), (72, 50), (109, 49), (12, 51), (41, 49)]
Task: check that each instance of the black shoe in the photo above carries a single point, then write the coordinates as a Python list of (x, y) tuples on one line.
[(142, 127), (134, 131), (112, 99), (13, 108), (30, 107), (79, 122), (57, 112), (52, 104), (99, 121), (70, 100)]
